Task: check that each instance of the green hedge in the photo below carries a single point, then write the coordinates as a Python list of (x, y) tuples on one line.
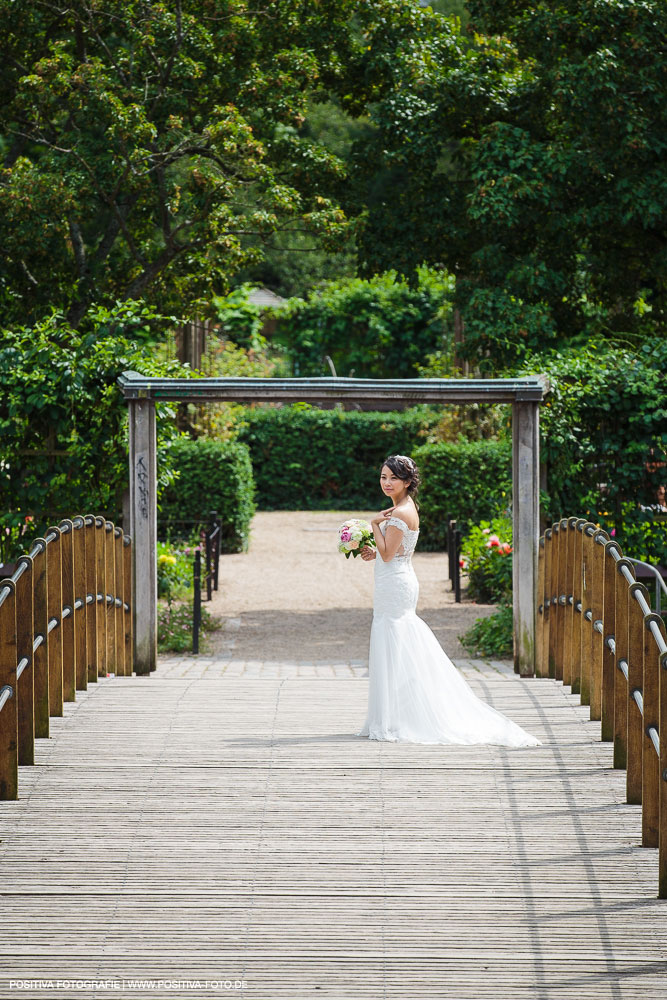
[(309, 459), (213, 475), (470, 480)]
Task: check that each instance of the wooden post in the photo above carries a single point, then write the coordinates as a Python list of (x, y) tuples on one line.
[(662, 840), (128, 603), (568, 608), (587, 553), (651, 761), (548, 563), (25, 631), (540, 613), (143, 507), (119, 640), (100, 596), (109, 594), (79, 557), (597, 607), (578, 607), (553, 597), (635, 681), (609, 659), (526, 509), (54, 603), (561, 543), (67, 623), (91, 598), (9, 759), (41, 654), (622, 653)]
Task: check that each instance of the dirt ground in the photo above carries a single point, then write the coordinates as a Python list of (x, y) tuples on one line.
[(293, 596)]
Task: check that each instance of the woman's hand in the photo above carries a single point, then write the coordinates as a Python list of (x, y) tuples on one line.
[(383, 515), (368, 553)]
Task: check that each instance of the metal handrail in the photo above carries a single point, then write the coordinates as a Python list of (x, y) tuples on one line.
[(660, 584)]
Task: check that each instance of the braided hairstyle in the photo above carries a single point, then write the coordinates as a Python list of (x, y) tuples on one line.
[(406, 469)]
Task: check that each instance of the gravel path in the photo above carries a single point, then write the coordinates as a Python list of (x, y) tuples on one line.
[(292, 596)]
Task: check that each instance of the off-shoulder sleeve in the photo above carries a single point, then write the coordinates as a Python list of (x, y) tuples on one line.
[(398, 523)]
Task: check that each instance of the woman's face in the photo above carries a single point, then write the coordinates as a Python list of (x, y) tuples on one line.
[(390, 483)]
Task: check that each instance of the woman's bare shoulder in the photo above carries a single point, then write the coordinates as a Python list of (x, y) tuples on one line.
[(407, 512)]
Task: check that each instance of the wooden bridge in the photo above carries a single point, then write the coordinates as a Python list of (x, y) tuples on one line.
[(216, 828)]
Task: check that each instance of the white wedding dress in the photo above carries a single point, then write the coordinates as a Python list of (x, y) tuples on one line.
[(416, 694)]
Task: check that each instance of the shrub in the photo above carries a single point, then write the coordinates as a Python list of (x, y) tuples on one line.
[(63, 419), (174, 627), (210, 475), (492, 636), (174, 571), (378, 328), (309, 459), (487, 558), (471, 480), (604, 437)]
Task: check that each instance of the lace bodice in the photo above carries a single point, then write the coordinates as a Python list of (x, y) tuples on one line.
[(407, 546)]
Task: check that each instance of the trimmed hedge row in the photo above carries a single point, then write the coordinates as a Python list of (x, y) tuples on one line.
[(468, 479), (309, 459), (212, 475)]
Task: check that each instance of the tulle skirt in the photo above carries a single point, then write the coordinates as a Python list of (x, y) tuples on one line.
[(416, 694)]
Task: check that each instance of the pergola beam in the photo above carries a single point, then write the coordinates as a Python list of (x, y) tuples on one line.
[(525, 394)]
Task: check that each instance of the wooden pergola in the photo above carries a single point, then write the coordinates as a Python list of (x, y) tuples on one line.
[(525, 395)]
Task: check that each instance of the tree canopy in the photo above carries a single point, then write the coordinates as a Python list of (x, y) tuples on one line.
[(530, 160), (150, 149)]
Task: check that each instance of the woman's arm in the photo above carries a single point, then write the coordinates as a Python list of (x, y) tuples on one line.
[(389, 544)]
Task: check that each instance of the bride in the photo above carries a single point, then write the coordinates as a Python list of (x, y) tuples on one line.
[(416, 694)]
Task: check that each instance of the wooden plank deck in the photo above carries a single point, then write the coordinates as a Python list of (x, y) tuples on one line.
[(210, 828)]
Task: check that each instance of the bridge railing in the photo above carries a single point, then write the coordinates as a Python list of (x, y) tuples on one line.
[(596, 632), (65, 620)]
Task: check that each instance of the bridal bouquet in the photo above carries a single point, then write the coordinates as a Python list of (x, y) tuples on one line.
[(353, 535)]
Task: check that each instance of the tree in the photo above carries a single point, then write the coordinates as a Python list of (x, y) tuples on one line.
[(150, 149), (530, 160)]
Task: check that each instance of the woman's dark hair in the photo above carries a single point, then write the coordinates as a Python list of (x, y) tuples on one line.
[(404, 467)]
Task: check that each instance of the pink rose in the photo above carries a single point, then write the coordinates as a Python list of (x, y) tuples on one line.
[(345, 536), (493, 541), (354, 544), (507, 548), (485, 531)]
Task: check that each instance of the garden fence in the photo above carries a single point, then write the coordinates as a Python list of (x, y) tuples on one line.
[(65, 620), (596, 632)]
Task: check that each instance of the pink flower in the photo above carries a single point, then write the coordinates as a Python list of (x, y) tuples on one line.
[(612, 532), (493, 541), (345, 536), (486, 531), (507, 548), (354, 544)]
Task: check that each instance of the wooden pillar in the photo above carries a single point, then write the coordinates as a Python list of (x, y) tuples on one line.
[(67, 622), (25, 634), (621, 632), (609, 659), (54, 606), (662, 840), (9, 760), (143, 511), (525, 508), (635, 738)]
